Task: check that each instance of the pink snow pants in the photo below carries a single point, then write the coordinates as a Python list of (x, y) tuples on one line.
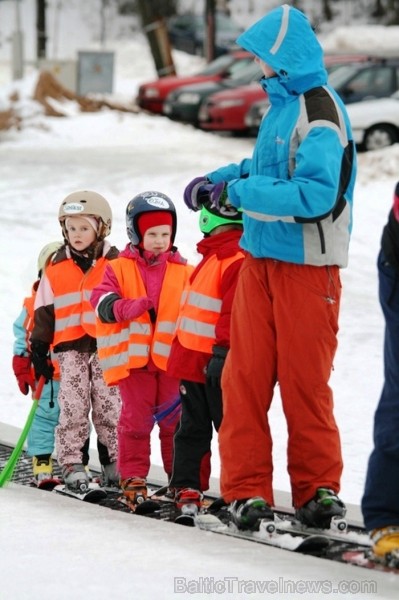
[(143, 392), (82, 388), (283, 330)]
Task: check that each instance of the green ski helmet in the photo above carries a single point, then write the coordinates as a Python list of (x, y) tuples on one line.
[(212, 217)]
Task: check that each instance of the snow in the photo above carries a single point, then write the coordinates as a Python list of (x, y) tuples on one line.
[(85, 551)]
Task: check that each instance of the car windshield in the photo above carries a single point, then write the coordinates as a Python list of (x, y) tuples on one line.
[(342, 74), (252, 72), (223, 23), (225, 62)]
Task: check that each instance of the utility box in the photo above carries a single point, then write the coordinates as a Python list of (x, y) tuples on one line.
[(95, 73), (65, 71)]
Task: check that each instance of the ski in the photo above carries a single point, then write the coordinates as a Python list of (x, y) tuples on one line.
[(368, 560), (304, 544), (350, 534), (93, 494)]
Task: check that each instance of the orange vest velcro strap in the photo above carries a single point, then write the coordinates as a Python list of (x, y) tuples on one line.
[(202, 305)]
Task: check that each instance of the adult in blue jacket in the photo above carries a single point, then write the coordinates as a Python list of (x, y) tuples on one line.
[(296, 197)]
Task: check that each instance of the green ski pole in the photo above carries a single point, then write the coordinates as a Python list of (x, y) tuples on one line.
[(9, 467)]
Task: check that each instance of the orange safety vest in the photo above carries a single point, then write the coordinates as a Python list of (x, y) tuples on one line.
[(74, 315), (128, 345), (29, 304), (202, 304)]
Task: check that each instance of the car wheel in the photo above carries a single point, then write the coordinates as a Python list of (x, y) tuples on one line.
[(380, 136)]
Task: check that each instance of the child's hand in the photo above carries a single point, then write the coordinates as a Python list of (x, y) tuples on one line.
[(127, 309)]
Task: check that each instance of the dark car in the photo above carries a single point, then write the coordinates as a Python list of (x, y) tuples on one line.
[(151, 95), (188, 32), (376, 78), (184, 104)]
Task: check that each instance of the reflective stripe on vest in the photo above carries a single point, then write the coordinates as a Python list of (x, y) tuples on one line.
[(202, 304), (128, 345), (74, 315)]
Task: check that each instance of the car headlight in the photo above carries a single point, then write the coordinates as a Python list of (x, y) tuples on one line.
[(229, 103), (189, 98), (151, 92)]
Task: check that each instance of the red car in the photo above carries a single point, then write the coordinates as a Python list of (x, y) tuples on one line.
[(226, 110), (151, 95)]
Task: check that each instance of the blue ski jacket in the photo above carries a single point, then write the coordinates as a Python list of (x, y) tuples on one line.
[(296, 191)]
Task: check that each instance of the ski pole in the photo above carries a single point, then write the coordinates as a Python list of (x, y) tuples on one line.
[(8, 470)]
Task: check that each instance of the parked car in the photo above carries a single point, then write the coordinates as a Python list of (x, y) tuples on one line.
[(376, 78), (375, 123), (188, 32), (184, 103), (151, 95), (226, 110)]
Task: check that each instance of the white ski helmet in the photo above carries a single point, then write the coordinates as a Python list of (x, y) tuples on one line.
[(88, 204), (46, 253)]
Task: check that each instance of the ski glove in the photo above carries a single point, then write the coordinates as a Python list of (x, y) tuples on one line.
[(22, 366), (127, 309), (194, 193), (41, 361), (215, 366)]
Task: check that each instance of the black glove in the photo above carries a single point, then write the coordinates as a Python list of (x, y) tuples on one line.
[(41, 361), (215, 366)]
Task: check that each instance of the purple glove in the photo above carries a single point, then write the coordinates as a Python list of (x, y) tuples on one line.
[(218, 195), (127, 309), (194, 190)]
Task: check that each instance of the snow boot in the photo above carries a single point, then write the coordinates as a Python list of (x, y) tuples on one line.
[(248, 513), (75, 477), (134, 490), (385, 541), (187, 496), (110, 475), (319, 511), (42, 467)]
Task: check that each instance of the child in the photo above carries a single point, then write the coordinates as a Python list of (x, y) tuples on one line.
[(65, 319), (380, 505), (199, 349), (137, 304), (40, 441)]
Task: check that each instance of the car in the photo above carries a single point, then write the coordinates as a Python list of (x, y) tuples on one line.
[(151, 95), (184, 103), (226, 110), (187, 32), (375, 123), (375, 78)]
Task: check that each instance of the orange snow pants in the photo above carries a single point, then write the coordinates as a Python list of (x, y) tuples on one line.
[(284, 328)]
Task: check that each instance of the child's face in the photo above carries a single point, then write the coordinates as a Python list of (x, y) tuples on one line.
[(80, 233), (157, 239), (266, 70)]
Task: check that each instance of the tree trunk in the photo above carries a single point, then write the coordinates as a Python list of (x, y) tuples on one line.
[(158, 38), (41, 28)]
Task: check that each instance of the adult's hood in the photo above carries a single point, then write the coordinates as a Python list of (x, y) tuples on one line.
[(284, 39)]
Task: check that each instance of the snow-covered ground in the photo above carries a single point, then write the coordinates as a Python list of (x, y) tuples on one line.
[(120, 155)]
